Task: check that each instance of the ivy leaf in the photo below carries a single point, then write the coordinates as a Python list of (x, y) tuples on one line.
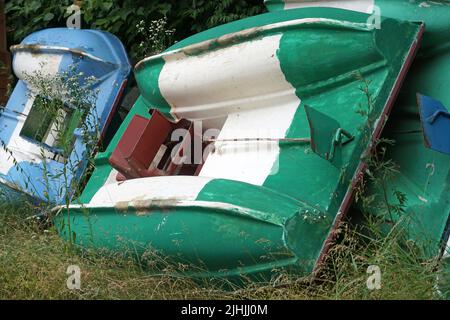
[(49, 16), (101, 22), (107, 6)]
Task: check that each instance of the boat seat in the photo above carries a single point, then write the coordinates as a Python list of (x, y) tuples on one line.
[(145, 148)]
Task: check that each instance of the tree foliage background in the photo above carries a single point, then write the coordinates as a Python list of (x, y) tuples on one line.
[(121, 17)]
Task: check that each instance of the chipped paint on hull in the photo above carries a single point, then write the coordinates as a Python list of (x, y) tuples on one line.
[(244, 35), (175, 188), (38, 50)]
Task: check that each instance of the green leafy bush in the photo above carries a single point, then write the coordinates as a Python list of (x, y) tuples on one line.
[(122, 17)]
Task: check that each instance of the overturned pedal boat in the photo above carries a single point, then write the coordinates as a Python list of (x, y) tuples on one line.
[(32, 160), (420, 127), (273, 104), (419, 124)]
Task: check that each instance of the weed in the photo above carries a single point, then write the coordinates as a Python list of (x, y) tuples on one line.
[(157, 37)]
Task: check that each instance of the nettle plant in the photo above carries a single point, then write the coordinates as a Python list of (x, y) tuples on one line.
[(157, 37), (64, 108)]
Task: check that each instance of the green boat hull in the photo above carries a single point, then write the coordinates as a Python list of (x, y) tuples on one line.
[(254, 225), (218, 234), (423, 176)]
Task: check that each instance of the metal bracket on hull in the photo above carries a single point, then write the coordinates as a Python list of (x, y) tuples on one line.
[(327, 136)]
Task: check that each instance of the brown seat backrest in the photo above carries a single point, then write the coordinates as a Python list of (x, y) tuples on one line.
[(140, 144)]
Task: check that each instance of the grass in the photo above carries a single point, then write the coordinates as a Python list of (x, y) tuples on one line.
[(34, 260)]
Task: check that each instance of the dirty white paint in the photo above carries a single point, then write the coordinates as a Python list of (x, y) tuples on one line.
[(200, 83), (245, 85), (216, 83), (144, 207), (250, 161), (175, 188), (365, 6), (56, 50), (112, 178), (26, 64), (240, 37)]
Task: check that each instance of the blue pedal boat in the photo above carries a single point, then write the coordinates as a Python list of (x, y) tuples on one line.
[(31, 163)]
